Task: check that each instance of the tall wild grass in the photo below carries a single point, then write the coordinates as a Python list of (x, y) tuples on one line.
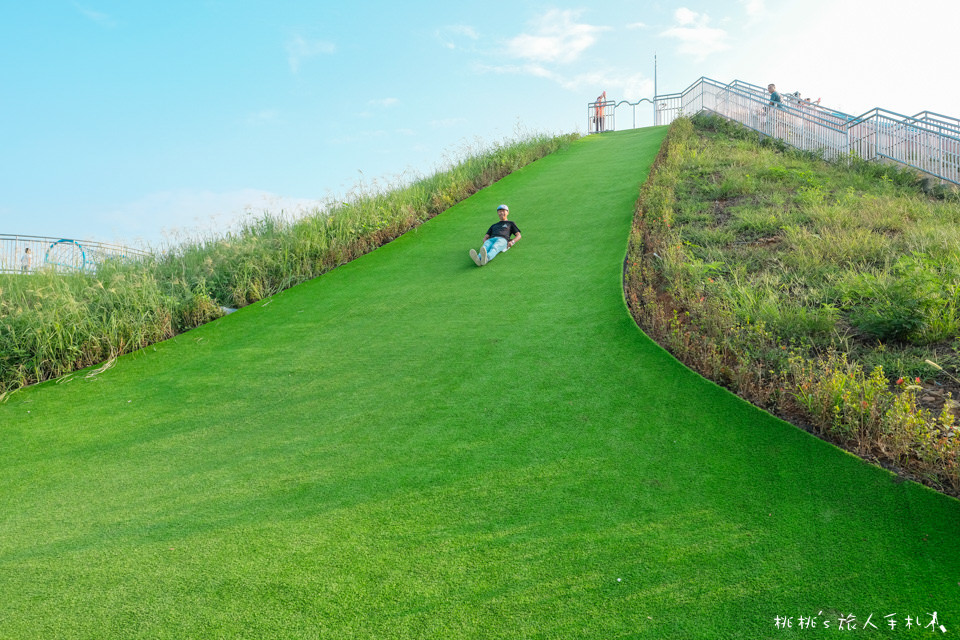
[(52, 324), (827, 292)]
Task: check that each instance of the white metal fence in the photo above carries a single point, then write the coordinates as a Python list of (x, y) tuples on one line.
[(60, 254), (928, 142), (601, 116)]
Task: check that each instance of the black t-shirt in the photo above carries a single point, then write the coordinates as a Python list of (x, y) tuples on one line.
[(503, 229)]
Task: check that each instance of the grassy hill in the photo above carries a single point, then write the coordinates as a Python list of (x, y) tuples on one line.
[(412, 447), (828, 292)]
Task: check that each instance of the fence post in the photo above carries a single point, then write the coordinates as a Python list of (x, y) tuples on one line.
[(876, 136)]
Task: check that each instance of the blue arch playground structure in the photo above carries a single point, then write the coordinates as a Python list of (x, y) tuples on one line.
[(63, 255)]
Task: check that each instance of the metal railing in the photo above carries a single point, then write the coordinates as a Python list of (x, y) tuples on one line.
[(601, 116), (928, 142), (58, 254)]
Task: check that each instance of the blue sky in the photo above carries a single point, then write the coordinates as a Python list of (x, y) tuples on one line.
[(143, 122)]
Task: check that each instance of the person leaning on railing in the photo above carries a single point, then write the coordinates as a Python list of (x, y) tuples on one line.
[(775, 100), (601, 99)]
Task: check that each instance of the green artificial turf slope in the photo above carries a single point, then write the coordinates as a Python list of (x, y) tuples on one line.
[(412, 447)]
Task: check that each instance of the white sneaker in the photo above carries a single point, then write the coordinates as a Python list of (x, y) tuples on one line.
[(475, 257), (483, 256)]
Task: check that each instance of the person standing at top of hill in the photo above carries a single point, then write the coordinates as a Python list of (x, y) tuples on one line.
[(26, 261), (598, 111), (500, 237), (775, 100)]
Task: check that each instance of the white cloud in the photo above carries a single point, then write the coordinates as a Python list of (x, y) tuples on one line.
[(631, 86), (685, 17), (618, 86), (696, 38), (538, 71), (635, 87), (300, 49), (102, 19), (557, 37), (450, 35), (754, 8), (384, 102)]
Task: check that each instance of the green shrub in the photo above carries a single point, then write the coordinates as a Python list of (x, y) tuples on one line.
[(812, 293)]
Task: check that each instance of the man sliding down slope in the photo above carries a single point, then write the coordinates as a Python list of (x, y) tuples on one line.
[(500, 237)]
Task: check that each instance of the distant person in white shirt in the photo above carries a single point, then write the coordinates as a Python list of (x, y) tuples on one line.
[(26, 261)]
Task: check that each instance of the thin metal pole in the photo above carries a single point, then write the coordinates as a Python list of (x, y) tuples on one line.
[(876, 136), (655, 123)]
